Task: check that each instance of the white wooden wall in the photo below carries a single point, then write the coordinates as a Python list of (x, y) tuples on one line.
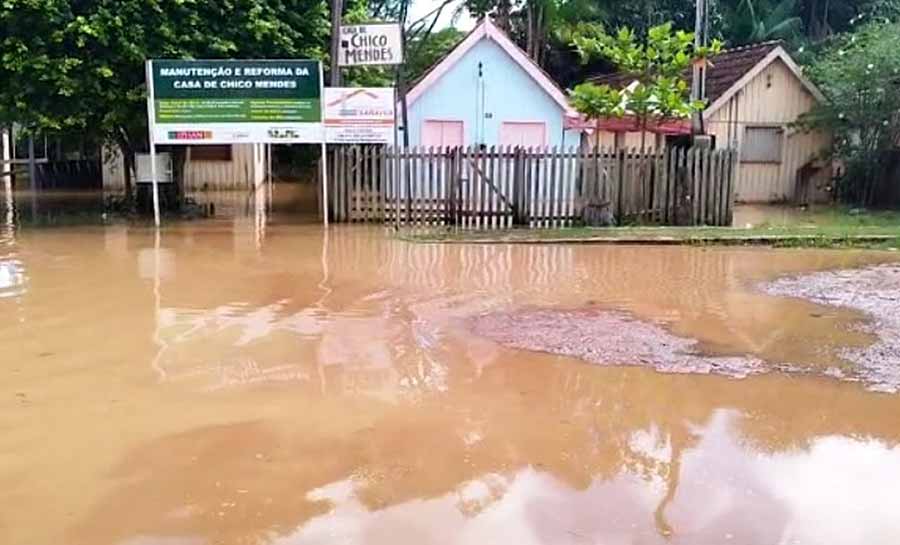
[(774, 98)]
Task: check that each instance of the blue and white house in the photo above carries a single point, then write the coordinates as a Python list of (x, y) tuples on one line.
[(487, 91)]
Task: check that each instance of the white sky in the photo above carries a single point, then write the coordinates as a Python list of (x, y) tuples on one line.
[(420, 8)]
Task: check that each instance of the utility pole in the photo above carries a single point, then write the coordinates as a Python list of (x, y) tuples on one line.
[(698, 79), (401, 84), (337, 6)]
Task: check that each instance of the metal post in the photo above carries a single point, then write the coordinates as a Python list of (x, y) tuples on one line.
[(32, 177), (337, 7), (32, 168), (395, 183), (151, 117), (270, 179), (698, 72), (401, 86), (324, 173), (324, 184)]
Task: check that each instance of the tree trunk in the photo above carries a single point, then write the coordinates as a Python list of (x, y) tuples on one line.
[(529, 14), (536, 36)]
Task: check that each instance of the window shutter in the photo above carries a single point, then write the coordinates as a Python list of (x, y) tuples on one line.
[(762, 145)]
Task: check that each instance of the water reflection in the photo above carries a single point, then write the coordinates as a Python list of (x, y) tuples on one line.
[(235, 381), (12, 270), (12, 278), (729, 496), (473, 470)]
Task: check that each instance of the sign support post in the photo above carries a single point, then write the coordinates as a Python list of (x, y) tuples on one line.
[(271, 177), (260, 102), (324, 173), (337, 7), (151, 117)]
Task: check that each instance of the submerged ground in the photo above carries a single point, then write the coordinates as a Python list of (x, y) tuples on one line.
[(245, 381)]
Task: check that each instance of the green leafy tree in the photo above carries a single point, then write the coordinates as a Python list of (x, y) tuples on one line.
[(859, 74), (597, 102), (658, 65), (426, 51), (761, 20), (540, 26), (79, 64)]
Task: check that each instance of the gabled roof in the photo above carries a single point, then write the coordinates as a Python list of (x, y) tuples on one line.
[(730, 71), (486, 29)]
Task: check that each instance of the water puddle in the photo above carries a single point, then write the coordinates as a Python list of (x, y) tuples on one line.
[(259, 380), (614, 338), (874, 291)]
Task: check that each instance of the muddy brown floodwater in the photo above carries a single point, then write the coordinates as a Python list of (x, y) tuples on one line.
[(244, 382)]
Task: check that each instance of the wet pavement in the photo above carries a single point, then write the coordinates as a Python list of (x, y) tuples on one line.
[(257, 380)]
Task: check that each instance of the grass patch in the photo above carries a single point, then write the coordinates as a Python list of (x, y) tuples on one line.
[(829, 228)]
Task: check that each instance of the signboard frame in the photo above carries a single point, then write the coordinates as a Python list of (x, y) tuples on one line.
[(393, 44), (278, 112), (360, 120)]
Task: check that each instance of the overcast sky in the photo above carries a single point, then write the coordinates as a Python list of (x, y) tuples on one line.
[(420, 8)]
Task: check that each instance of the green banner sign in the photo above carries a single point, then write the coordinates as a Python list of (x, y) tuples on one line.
[(236, 91)]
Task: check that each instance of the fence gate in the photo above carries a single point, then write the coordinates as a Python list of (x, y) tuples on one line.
[(502, 187)]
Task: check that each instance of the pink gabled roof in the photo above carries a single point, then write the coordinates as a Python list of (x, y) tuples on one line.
[(486, 29)]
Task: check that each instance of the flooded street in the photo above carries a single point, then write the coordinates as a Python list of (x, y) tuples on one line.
[(264, 381)]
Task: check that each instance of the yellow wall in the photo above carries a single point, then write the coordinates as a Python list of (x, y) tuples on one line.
[(775, 97), (628, 141), (245, 170)]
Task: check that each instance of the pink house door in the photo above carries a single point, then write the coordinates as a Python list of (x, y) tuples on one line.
[(523, 133), (442, 133)]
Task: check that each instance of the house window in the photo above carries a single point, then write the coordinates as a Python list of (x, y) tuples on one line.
[(221, 152), (523, 133), (762, 145), (442, 133)]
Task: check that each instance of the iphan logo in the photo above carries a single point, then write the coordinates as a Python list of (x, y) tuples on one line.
[(190, 135)]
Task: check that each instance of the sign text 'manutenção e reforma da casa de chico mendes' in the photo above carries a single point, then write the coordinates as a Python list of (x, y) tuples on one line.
[(234, 101)]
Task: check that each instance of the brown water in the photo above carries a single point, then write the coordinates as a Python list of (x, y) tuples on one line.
[(244, 382)]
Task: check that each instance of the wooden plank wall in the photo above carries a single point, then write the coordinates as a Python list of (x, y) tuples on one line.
[(503, 187)]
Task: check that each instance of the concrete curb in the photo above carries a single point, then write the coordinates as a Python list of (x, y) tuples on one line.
[(749, 240)]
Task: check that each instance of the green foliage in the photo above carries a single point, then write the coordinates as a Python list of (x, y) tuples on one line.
[(425, 51), (358, 12), (597, 101), (69, 64), (761, 20), (544, 28), (860, 77), (658, 65)]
